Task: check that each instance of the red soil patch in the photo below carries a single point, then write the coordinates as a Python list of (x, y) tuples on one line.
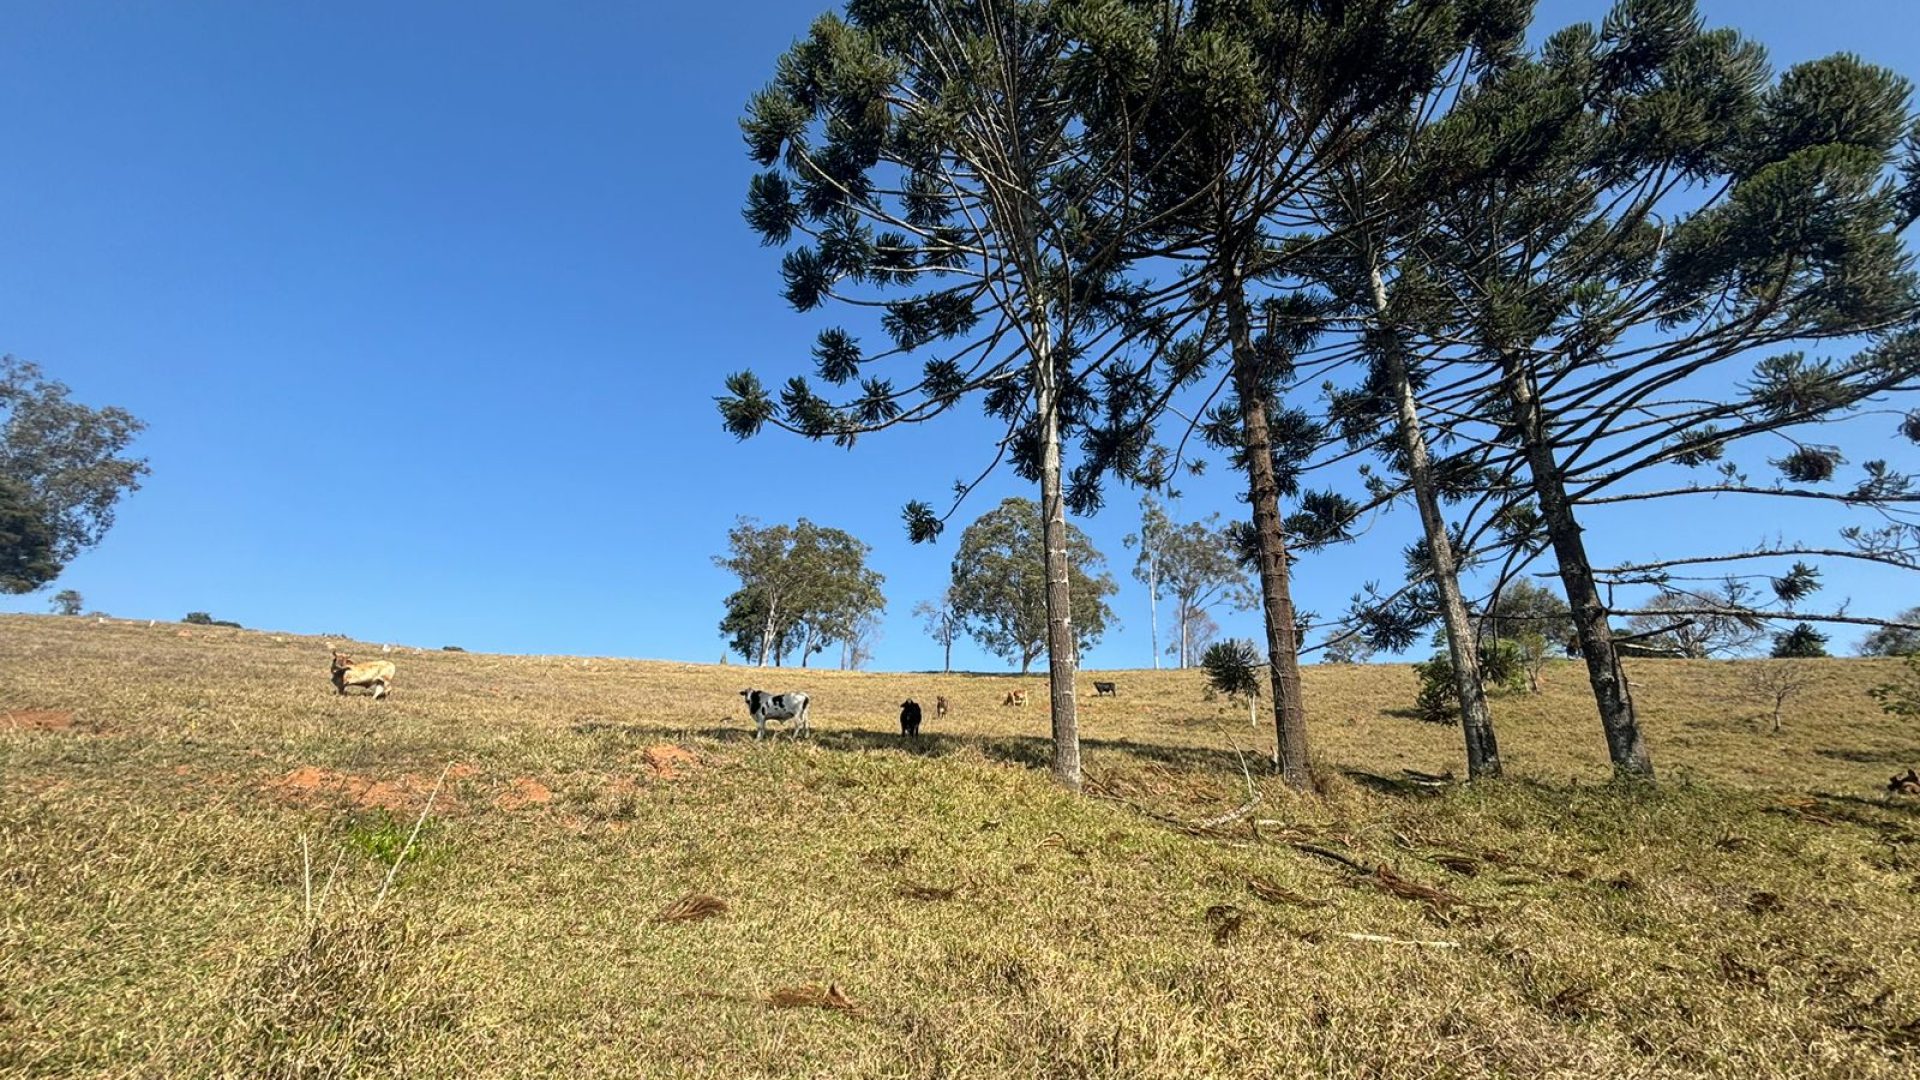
[(524, 794), (38, 720), (311, 785), (665, 760)]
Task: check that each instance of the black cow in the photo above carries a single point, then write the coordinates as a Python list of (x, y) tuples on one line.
[(1106, 689), (763, 707), (910, 718)]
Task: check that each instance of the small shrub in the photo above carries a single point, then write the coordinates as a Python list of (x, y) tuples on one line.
[(1802, 642), (1775, 682), (1233, 669), (382, 837), (1503, 667), (451, 648), (1901, 698)]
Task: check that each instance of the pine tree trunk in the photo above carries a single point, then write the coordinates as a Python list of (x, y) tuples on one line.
[(1061, 657), (1610, 690), (1283, 647), (1476, 719)]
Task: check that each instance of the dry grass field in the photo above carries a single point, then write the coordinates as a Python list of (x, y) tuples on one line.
[(205, 870)]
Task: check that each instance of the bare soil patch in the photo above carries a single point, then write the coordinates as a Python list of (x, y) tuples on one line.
[(667, 761), (311, 785), (44, 720), (525, 794)]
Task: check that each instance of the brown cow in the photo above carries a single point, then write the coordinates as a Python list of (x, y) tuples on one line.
[(939, 706), (1015, 697), (375, 675)]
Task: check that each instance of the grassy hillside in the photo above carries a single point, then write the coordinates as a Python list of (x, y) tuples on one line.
[(198, 876)]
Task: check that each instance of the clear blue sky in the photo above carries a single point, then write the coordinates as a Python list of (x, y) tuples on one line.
[(426, 305)]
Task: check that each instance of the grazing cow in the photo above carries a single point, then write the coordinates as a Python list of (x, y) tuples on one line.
[(375, 675), (1015, 697), (1905, 785), (910, 718), (1106, 689), (939, 706), (763, 707)]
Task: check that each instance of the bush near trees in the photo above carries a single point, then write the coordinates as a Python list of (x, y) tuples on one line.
[(1902, 697), (1894, 640), (1503, 666)]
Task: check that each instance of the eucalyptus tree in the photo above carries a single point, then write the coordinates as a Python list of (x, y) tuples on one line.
[(1150, 541), (943, 623), (999, 584), (1634, 209), (1199, 572), (931, 162), (64, 467), (28, 547), (802, 588)]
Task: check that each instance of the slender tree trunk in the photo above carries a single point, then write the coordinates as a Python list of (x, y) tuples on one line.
[(1476, 719), (1185, 637), (949, 664), (1153, 603), (1610, 690), (1283, 646), (766, 632), (1061, 656)]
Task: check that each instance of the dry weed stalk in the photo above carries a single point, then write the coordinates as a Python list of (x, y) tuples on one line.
[(394, 870), (692, 908), (1279, 894), (812, 996)]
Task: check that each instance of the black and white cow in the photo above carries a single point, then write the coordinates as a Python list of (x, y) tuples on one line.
[(763, 707)]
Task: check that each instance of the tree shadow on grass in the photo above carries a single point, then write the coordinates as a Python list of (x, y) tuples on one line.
[(1400, 788), (1029, 751), (1900, 758)]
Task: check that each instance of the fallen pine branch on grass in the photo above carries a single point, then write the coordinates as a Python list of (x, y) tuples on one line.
[(1385, 879)]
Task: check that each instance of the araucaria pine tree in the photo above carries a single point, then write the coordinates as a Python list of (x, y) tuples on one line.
[(929, 161)]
